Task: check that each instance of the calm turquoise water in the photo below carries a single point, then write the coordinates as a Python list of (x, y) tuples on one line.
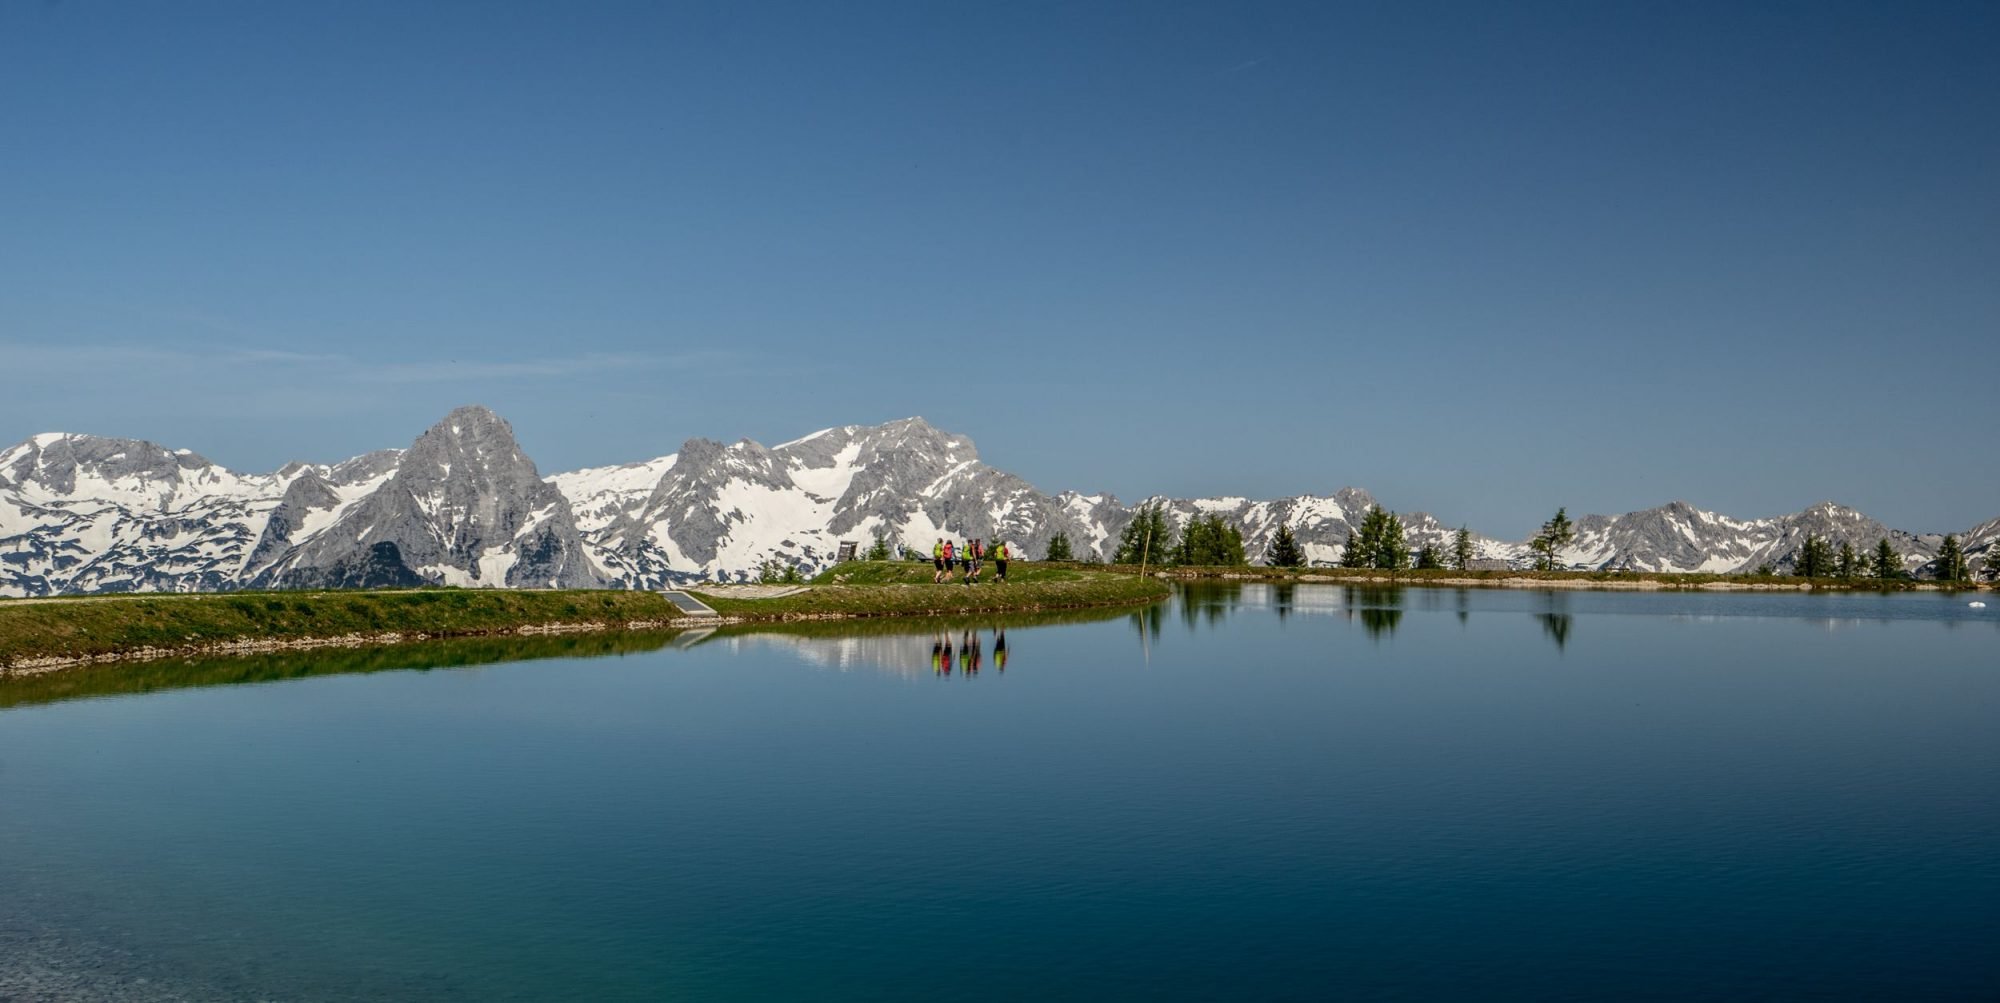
[(1309, 794)]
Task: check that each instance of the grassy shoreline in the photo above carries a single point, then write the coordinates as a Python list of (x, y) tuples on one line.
[(37, 636), (1606, 580), (129, 677)]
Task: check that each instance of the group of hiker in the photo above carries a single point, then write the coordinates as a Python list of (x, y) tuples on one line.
[(967, 558)]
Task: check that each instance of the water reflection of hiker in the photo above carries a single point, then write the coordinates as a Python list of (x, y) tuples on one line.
[(947, 654), (965, 655), (937, 655), (1000, 645), (972, 653)]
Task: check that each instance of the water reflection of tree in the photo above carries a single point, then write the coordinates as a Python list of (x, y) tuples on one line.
[(1209, 603), (1149, 620), (1556, 626), (1380, 610), (1282, 598), (1555, 617), (1380, 623)]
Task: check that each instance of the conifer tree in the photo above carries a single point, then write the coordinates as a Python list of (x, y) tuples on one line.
[(1211, 542), (1461, 550), (1352, 555), (1848, 565), (1148, 538), (1059, 548), (1951, 565), (1379, 543), (1556, 534), (880, 550), (1429, 556), (1888, 563), (1284, 551), (1815, 557)]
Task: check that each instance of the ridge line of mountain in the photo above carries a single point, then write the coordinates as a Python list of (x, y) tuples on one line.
[(464, 505)]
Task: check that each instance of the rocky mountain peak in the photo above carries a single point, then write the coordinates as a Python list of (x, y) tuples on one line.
[(464, 506), (53, 461), (469, 437), (1354, 499)]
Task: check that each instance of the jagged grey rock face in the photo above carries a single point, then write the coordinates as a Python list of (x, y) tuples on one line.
[(725, 510), (464, 506), (308, 493), (85, 513), (58, 464), (1680, 537)]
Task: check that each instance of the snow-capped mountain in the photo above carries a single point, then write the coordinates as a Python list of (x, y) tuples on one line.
[(1680, 537), (725, 509), (463, 505), (89, 514)]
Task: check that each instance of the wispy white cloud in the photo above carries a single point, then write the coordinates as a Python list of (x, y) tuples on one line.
[(549, 367), (112, 359)]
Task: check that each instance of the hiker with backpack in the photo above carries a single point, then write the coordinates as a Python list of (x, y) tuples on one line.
[(937, 561), (1000, 562)]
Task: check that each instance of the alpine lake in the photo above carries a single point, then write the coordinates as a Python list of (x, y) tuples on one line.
[(1249, 792)]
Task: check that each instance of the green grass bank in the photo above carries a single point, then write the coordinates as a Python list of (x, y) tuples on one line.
[(39, 635)]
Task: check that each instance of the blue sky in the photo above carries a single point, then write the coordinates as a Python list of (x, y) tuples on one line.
[(1481, 259)]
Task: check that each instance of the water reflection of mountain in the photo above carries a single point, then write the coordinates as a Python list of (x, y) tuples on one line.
[(963, 652), (131, 678), (913, 648)]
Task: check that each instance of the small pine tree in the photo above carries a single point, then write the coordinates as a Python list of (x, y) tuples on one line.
[(1379, 543), (1210, 542), (1147, 538), (1059, 548), (1429, 556), (1951, 566), (791, 575), (1815, 557), (1888, 563), (1351, 554), (1848, 565), (1993, 560), (1394, 553), (880, 551), (767, 572), (1765, 570), (1461, 550), (1284, 551), (1556, 534)]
